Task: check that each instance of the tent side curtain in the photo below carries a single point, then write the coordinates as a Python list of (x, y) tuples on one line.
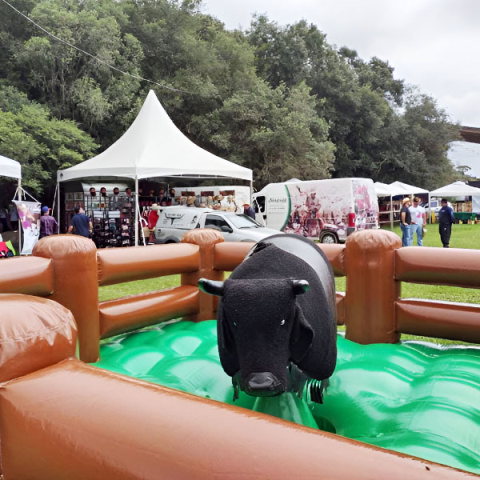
[(10, 168)]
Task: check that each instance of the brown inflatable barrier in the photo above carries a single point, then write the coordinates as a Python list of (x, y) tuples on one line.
[(34, 333), (455, 267), (76, 422), (228, 255), (138, 311), (31, 276), (336, 257), (115, 265), (74, 260), (455, 321)]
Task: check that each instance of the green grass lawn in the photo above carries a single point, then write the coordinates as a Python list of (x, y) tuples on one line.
[(463, 236)]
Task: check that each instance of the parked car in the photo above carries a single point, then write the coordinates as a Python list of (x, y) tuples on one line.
[(435, 205), (174, 222)]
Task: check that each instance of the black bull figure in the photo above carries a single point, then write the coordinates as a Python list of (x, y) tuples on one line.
[(277, 319)]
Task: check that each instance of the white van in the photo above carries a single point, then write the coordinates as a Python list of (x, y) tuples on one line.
[(326, 210)]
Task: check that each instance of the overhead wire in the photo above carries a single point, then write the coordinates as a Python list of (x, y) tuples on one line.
[(93, 56)]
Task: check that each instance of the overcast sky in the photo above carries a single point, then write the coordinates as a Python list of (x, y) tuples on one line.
[(433, 44)]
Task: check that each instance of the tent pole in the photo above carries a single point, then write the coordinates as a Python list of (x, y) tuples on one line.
[(137, 213), (429, 219), (58, 209), (391, 211), (19, 222)]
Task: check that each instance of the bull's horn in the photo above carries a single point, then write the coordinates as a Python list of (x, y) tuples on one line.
[(299, 286), (211, 287)]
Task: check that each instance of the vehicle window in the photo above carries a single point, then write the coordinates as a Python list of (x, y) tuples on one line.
[(216, 221), (243, 221), (259, 203)]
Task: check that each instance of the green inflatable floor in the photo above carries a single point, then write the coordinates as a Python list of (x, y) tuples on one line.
[(415, 398)]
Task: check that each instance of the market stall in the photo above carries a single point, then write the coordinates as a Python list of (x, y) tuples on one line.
[(153, 147), (12, 169)]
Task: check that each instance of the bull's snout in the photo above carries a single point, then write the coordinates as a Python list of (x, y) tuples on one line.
[(264, 384)]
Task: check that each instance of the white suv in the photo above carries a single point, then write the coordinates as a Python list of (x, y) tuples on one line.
[(174, 222)]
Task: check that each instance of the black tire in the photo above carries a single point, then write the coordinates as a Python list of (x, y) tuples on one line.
[(328, 237)]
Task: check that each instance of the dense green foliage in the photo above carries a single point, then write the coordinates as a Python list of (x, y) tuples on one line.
[(279, 100)]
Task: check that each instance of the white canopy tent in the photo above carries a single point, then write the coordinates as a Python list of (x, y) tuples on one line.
[(456, 189), (460, 189), (12, 169), (383, 190), (154, 147), (405, 189)]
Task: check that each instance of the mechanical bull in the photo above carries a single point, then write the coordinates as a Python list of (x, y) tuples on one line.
[(277, 319)]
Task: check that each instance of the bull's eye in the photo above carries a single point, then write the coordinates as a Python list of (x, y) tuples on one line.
[(282, 322)]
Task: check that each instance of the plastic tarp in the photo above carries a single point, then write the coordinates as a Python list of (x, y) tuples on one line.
[(456, 189), (154, 147), (400, 188), (10, 168)]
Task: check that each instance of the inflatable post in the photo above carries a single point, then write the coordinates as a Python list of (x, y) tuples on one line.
[(371, 288), (206, 239), (76, 285)]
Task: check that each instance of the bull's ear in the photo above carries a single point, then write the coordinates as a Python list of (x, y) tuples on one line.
[(211, 287), (301, 337), (300, 287)]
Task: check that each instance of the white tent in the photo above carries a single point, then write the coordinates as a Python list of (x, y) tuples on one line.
[(383, 190), (456, 189), (154, 147), (400, 188), (10, 168)]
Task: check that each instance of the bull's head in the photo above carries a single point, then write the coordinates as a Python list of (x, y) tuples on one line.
[(261, 328)]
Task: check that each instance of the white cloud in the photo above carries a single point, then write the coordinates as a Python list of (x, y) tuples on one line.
[(430, 43)]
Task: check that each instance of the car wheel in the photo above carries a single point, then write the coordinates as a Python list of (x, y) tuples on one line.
[(328, 238)]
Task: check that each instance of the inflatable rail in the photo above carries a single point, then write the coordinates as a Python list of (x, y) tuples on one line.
[(61, 418)]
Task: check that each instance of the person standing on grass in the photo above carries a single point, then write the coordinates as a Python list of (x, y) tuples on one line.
[(419, 220), (406, 223), (81, 224), (48, 225), (445, 220)]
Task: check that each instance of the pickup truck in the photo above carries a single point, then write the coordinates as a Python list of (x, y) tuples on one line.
[(174, 222)]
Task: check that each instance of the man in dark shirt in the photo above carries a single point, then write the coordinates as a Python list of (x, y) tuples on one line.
[(81, 224), (248, 210), (406, 223), (48, 225), (445, 220)]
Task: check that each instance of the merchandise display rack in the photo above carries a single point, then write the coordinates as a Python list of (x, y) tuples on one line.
[(112, 216)]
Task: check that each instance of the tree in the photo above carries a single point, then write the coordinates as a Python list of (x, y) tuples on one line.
[(275, 132), (41, 143)]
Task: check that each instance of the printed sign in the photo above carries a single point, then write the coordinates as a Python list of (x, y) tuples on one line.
[(29, 215)]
